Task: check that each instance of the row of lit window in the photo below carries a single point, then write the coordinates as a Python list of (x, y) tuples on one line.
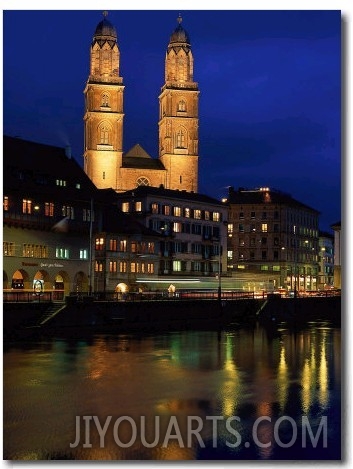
[(182, 266), (250, 228), (166, 227), (176, 211), (122, 267), (29, 207), (40, 251), (121, 245)]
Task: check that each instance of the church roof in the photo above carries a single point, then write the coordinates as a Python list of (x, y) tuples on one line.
[(138, 151), (137, 157), (179, 35), (105, 31)]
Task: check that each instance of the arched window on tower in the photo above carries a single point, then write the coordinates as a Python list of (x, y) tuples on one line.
[(104, 134), (180, 141), (105, 100), (181, 106)]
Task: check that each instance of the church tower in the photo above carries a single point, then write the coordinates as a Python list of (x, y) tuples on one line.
[(103, 118), (178, 115)]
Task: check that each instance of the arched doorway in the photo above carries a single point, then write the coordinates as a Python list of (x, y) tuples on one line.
[(81, 282), (121, 290), (20, 280), (41, 277)]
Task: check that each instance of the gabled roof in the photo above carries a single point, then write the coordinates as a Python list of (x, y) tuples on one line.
[(137, 151), (137, 157), (265, 196), (35, 167)]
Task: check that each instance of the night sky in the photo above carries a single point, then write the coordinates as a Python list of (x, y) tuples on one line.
[(270, 86)]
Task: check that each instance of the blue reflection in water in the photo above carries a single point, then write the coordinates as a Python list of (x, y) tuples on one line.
[(247, 394)]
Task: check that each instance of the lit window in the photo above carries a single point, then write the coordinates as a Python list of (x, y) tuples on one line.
[(150, 268), (113, 245), (155, 208), (177, 211), (26, 206), (276, 268), (122, 266), (98, 266), (150, 247), (264, 227), (125, 207), (177, 266), (8, 249), (230, 254), (216, 216), (264, 267), (60, 182), (99, 244), (113, 266), (61, 253), (6, 204), (83, 254), (187, 212), (138, 206), (197, 214), (49, 209), (166, 209), (177, 227), (122, 245), (207, 215)]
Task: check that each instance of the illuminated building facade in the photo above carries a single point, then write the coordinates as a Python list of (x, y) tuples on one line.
[(46, 218), (273, 241), (193, 229), (105, 162), (326, 260), (61, 231)]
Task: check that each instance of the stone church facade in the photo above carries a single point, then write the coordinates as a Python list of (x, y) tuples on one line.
[(105, 162)]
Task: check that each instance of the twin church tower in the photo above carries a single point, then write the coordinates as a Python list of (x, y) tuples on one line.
[(105, 162)]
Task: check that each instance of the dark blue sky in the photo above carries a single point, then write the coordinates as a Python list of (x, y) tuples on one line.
[(269, 83)]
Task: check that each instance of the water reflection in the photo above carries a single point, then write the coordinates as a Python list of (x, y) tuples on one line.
[(202, 379)]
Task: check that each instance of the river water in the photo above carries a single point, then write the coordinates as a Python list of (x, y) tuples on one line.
[(246, 394)]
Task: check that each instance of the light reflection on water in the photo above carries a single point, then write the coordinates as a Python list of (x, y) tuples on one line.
[(247, 373)]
